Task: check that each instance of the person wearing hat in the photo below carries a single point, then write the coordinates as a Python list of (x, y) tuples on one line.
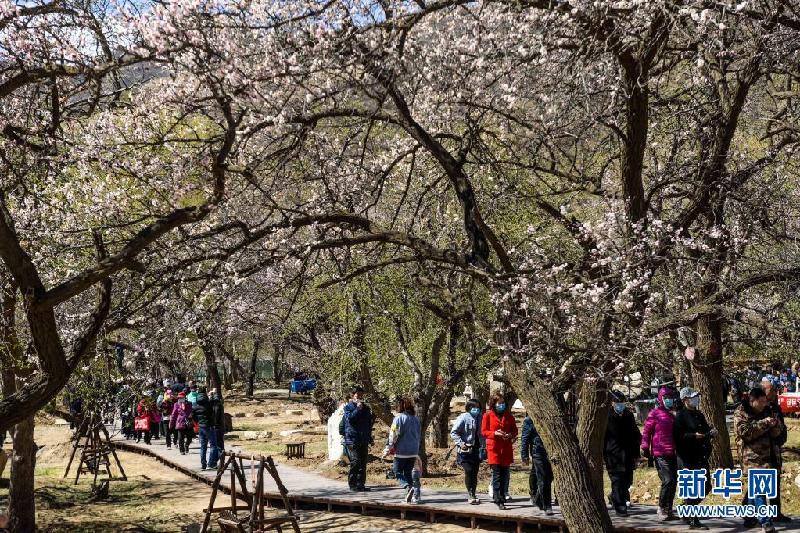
[(621, 451), (181, 421), (770, 384), (693, 438)]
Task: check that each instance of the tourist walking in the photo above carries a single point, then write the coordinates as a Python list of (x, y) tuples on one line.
[(658, 442), (757, 433), (164, 404), (143, 420), (693, 437), (499, 430), (217, 420), (771, 385), (469, 442), (403, 442), (155, 420), (358, 422), (540, 478), (621, 451), (181, 421), (201, 414)]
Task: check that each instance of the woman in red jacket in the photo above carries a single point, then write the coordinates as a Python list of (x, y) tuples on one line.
[(500, 431)]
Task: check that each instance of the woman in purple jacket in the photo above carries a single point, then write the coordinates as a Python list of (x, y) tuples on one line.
[(181, 421), (657, 440)]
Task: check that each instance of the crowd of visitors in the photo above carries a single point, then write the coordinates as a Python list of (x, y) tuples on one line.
[(178, 413), (675, 436)]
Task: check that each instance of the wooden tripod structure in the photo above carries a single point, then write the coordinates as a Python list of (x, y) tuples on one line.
[(254, 521), (93, 440)]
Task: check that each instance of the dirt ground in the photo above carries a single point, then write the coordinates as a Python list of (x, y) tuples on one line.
[(155, 499), (264, 433)]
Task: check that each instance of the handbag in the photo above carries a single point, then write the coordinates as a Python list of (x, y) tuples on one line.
[(196, 427), (142, 423)]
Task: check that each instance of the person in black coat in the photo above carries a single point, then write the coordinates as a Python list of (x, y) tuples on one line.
[(621, 451), (693, 438), (218, 420), (358, 421), (540, 479), (202, 413)]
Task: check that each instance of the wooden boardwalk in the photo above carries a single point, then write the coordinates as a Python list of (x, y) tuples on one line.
[(309, 489)]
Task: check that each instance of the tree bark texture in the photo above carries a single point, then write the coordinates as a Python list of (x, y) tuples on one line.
[(21, 502), (592, 422), (582, 512), (251, 378), (707, 376)]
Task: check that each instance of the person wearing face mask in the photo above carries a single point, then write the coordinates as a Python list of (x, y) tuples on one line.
[(693, 438), (403, 442), (757, 433), (540, 478), (621, 451), (771, 386), (500, 430), (658, 442), (467, 437)]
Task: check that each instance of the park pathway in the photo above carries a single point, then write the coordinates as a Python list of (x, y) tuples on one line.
[(307, 488)]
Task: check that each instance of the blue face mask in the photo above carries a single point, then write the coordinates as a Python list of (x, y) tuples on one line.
[(500, 408), (668, 403), (475, 411), (619, 408)]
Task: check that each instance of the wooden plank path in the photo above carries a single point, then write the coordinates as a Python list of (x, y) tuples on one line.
[(308, 488)]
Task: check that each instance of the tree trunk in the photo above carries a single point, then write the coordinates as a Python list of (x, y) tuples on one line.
[(211, 366), (378, 402), (423, 453), (322, 400), (571, 473), (592, 422), (21, 502), (237, 370), (707, 377), (480, 390), (251, 378), (440, 427), (277, 363), (226, 377)]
